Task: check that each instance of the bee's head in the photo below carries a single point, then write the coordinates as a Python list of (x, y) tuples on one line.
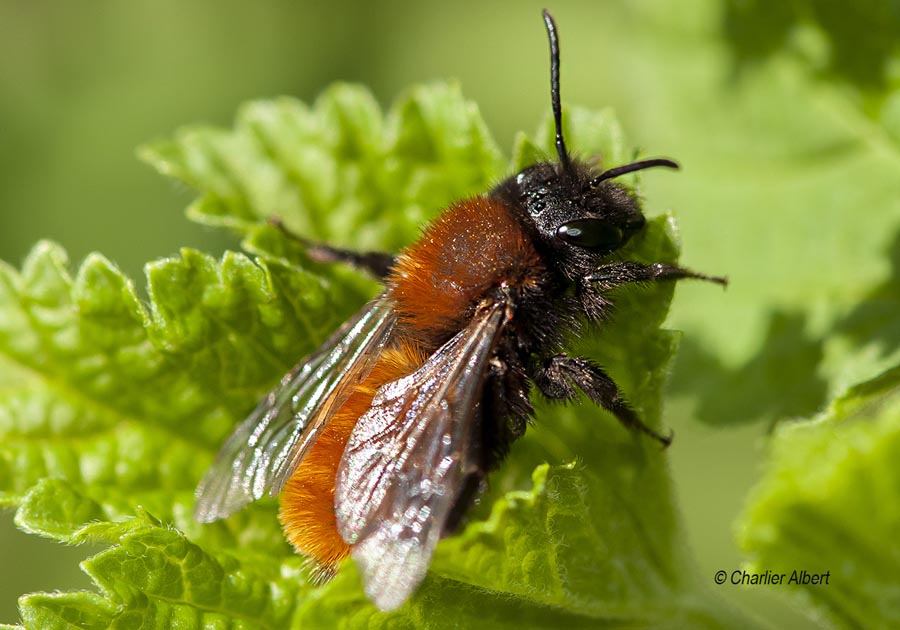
[(577, 207), (580, 215)]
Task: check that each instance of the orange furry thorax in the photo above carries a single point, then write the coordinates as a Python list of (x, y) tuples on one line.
[(471, 248)]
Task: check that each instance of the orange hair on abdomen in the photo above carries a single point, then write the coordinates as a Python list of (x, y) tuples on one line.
[(307, 501)]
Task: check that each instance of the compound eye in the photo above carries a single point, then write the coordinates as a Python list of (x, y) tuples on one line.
[(635, 224), (591, 234)]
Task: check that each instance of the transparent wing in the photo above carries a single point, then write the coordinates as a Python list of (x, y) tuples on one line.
[(267, 447), (408, 459)]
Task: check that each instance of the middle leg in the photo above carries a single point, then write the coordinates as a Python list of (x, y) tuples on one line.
[(560, 376)]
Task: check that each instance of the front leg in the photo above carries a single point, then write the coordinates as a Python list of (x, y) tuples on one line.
[(592, 288), (616, 274), (560, 377)]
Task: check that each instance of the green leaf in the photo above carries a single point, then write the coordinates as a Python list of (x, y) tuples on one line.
[(856, 46), (786, 118), (788, 187), (128, 403), (827, 505), (65, 611), (52, 508), (600, 138), (154, 577), (339, 171), (125, 405), (144, 394)]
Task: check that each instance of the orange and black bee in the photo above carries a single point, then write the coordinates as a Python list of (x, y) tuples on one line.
[(378, 442)]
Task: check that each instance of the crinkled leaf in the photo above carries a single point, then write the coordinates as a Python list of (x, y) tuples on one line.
[(127, 403), (152, 577), (145, 393), (338, 171)]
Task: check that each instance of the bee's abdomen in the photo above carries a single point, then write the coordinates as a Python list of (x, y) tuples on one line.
[(307, 501), (470, 250)]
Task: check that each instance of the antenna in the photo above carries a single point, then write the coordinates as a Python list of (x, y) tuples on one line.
[(630, 168), (554, 90)]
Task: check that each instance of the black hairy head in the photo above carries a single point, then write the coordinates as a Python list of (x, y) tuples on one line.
[(578, 215)]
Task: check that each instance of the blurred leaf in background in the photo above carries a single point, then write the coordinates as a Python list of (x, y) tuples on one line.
[(828, 504), (784, 118)]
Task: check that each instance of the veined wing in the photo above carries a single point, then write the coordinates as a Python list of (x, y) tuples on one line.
[(408, 459), (267, 447)]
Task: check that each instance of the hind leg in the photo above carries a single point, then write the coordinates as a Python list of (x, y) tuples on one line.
[(378, 264)]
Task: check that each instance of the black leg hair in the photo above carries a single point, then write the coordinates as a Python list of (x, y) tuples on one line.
[(377, 264), (506, 406), (558, 377), (619, 273)]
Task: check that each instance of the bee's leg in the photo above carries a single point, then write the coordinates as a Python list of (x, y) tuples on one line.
[(471, 488), (506, 406), (377, 264), (592, 288), (560, 376), (615, 274)]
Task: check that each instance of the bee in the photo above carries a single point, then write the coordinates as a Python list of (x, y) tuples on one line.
[(378, 442)]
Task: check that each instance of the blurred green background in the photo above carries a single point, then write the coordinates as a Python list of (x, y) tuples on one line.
[(763, 104)]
